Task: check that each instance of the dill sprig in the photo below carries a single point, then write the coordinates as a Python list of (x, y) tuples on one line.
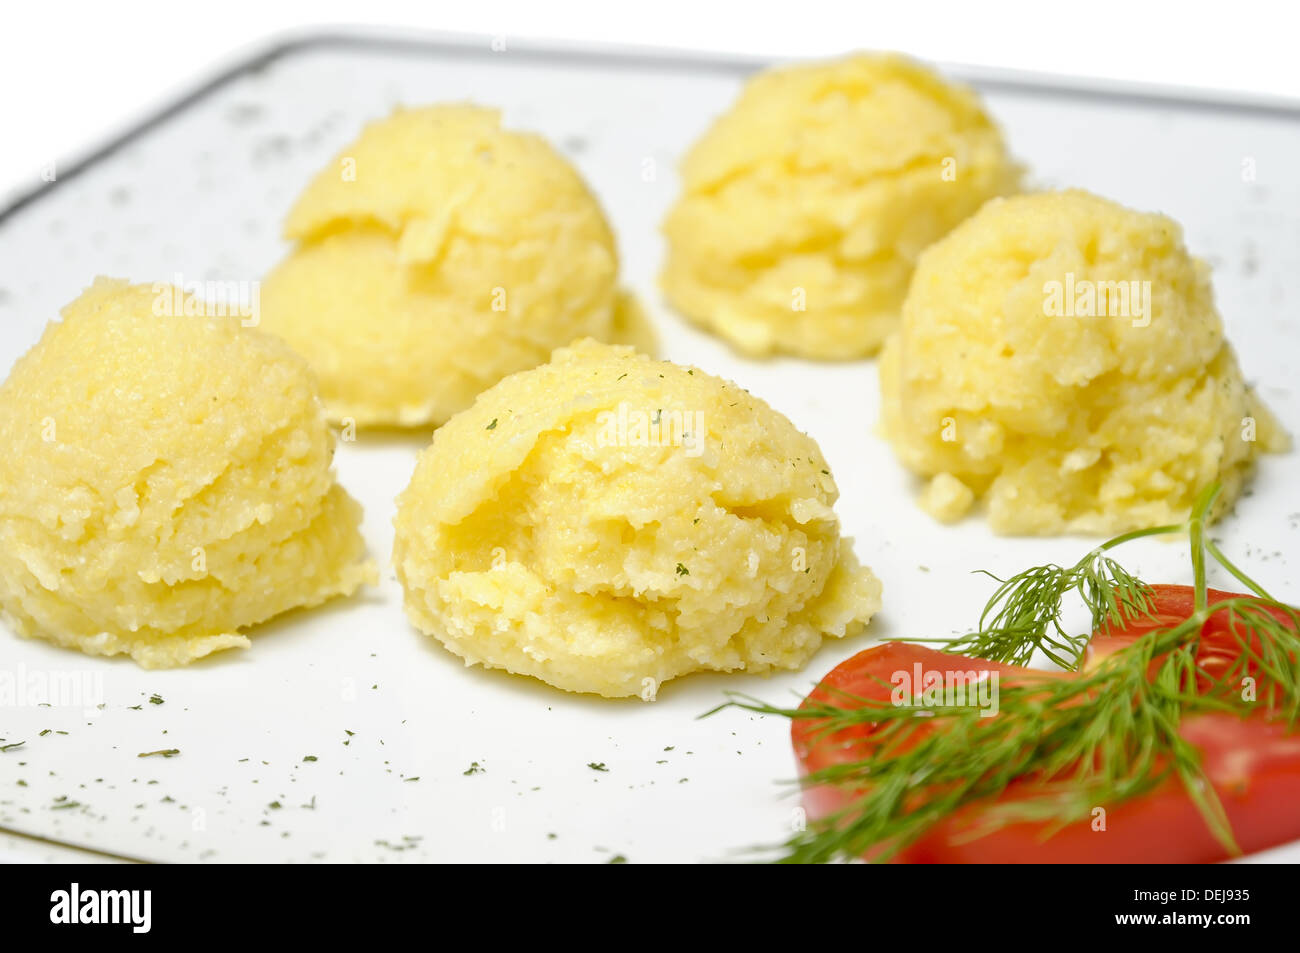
[(1023, 617), (1105, 736)]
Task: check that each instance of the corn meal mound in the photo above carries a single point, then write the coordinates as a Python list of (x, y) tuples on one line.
[(606, 522), (435, 255), (805, 206), (1061, 356), (165, 483)]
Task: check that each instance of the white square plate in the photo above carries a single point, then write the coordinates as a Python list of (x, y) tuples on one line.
[(394, 721)]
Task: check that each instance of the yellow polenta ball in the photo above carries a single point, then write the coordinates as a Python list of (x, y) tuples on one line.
[(1061, 356), (606, 522), (435, 255), (166, 481), (804, 207)]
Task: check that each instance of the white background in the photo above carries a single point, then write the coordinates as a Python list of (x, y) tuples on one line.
[(70, 73)]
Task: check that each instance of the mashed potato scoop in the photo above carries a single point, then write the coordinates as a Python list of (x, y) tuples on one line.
[(606, 522), (1061, 357), (437, 254), (805, 206), (166, 482)]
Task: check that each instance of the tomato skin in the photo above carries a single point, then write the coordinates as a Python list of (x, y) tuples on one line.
[(867, 675), (1253, 764), (1219, 644)]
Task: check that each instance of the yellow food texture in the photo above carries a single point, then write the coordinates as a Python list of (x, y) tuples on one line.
[(435, 255), (166, 482), (804, 207), (606, 522), (1061, 356)]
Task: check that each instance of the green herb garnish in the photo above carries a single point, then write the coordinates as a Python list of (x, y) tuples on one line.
[(1108, 735)]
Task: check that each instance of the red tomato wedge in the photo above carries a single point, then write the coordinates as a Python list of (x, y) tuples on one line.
[(1220, 642), (1252, 763)]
